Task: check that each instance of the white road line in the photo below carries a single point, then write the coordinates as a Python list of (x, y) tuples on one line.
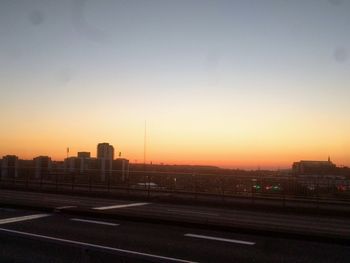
[(221, 239), (94, 222), (21, 218), (192, 212), (65, 207), (69, 201), (122, 251), (119, 206)]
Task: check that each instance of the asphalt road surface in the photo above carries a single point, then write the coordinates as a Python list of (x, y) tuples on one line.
[(32, 236), (307, 225)]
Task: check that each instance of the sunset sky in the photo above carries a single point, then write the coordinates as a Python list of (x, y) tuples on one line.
[(242, 84)]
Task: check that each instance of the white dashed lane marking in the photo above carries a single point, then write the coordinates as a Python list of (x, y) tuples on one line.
[(148, 257), (221, 239), (119, 206), (94, 222), (21, 218), (65, 207)]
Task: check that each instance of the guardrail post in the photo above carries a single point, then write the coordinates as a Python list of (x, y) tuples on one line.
[(73, 175), (109, 182), (149, 186), (56, 179), (89, 181), (27, 180), (41, 180), (284, 192), (195, 185), (253, 181), (222, 188), (128, 184), (317, 192)]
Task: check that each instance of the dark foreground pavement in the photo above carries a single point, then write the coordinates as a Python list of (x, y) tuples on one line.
[(32, 236), (312, 227)]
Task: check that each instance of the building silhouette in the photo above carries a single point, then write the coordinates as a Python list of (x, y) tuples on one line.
[(305, 167), (84, 155), (42, 166), (84, 161), (71, 164), (105, 151), (105, 157), (121, 166), (79, 164), (9, 166)]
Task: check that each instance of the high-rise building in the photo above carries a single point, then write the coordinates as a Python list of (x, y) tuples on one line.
[(71, 164), (84, 161), (79, 164), (9, 166), (105, 151), (42, 166), (121, 167), (105, 156)]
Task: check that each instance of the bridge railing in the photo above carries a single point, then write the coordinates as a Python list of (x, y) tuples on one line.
[(192, 184)]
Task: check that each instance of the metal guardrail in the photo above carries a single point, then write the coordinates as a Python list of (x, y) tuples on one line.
[(192, 184)]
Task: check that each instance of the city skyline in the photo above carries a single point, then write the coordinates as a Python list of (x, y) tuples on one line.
[(106, 152), (235, 84)]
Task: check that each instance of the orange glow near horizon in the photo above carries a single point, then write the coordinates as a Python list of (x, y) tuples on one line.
[(271, 147)]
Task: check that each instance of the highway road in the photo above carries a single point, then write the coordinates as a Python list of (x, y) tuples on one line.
[(176, 214), (35, 236)]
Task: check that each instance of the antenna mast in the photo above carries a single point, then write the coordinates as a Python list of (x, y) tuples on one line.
[(144, 145)]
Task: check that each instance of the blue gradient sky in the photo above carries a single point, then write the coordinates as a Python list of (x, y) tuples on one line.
[(230, 83)]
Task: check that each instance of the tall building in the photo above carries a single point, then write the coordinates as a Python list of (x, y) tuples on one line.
[(105, 151), (105, 156), (84, 161), (121, 166), (71, 164), (9, 166), (79, 164), (42, 166)]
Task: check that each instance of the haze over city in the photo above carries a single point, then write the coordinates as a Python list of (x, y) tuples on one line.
[(175, 131), (241, 84)]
